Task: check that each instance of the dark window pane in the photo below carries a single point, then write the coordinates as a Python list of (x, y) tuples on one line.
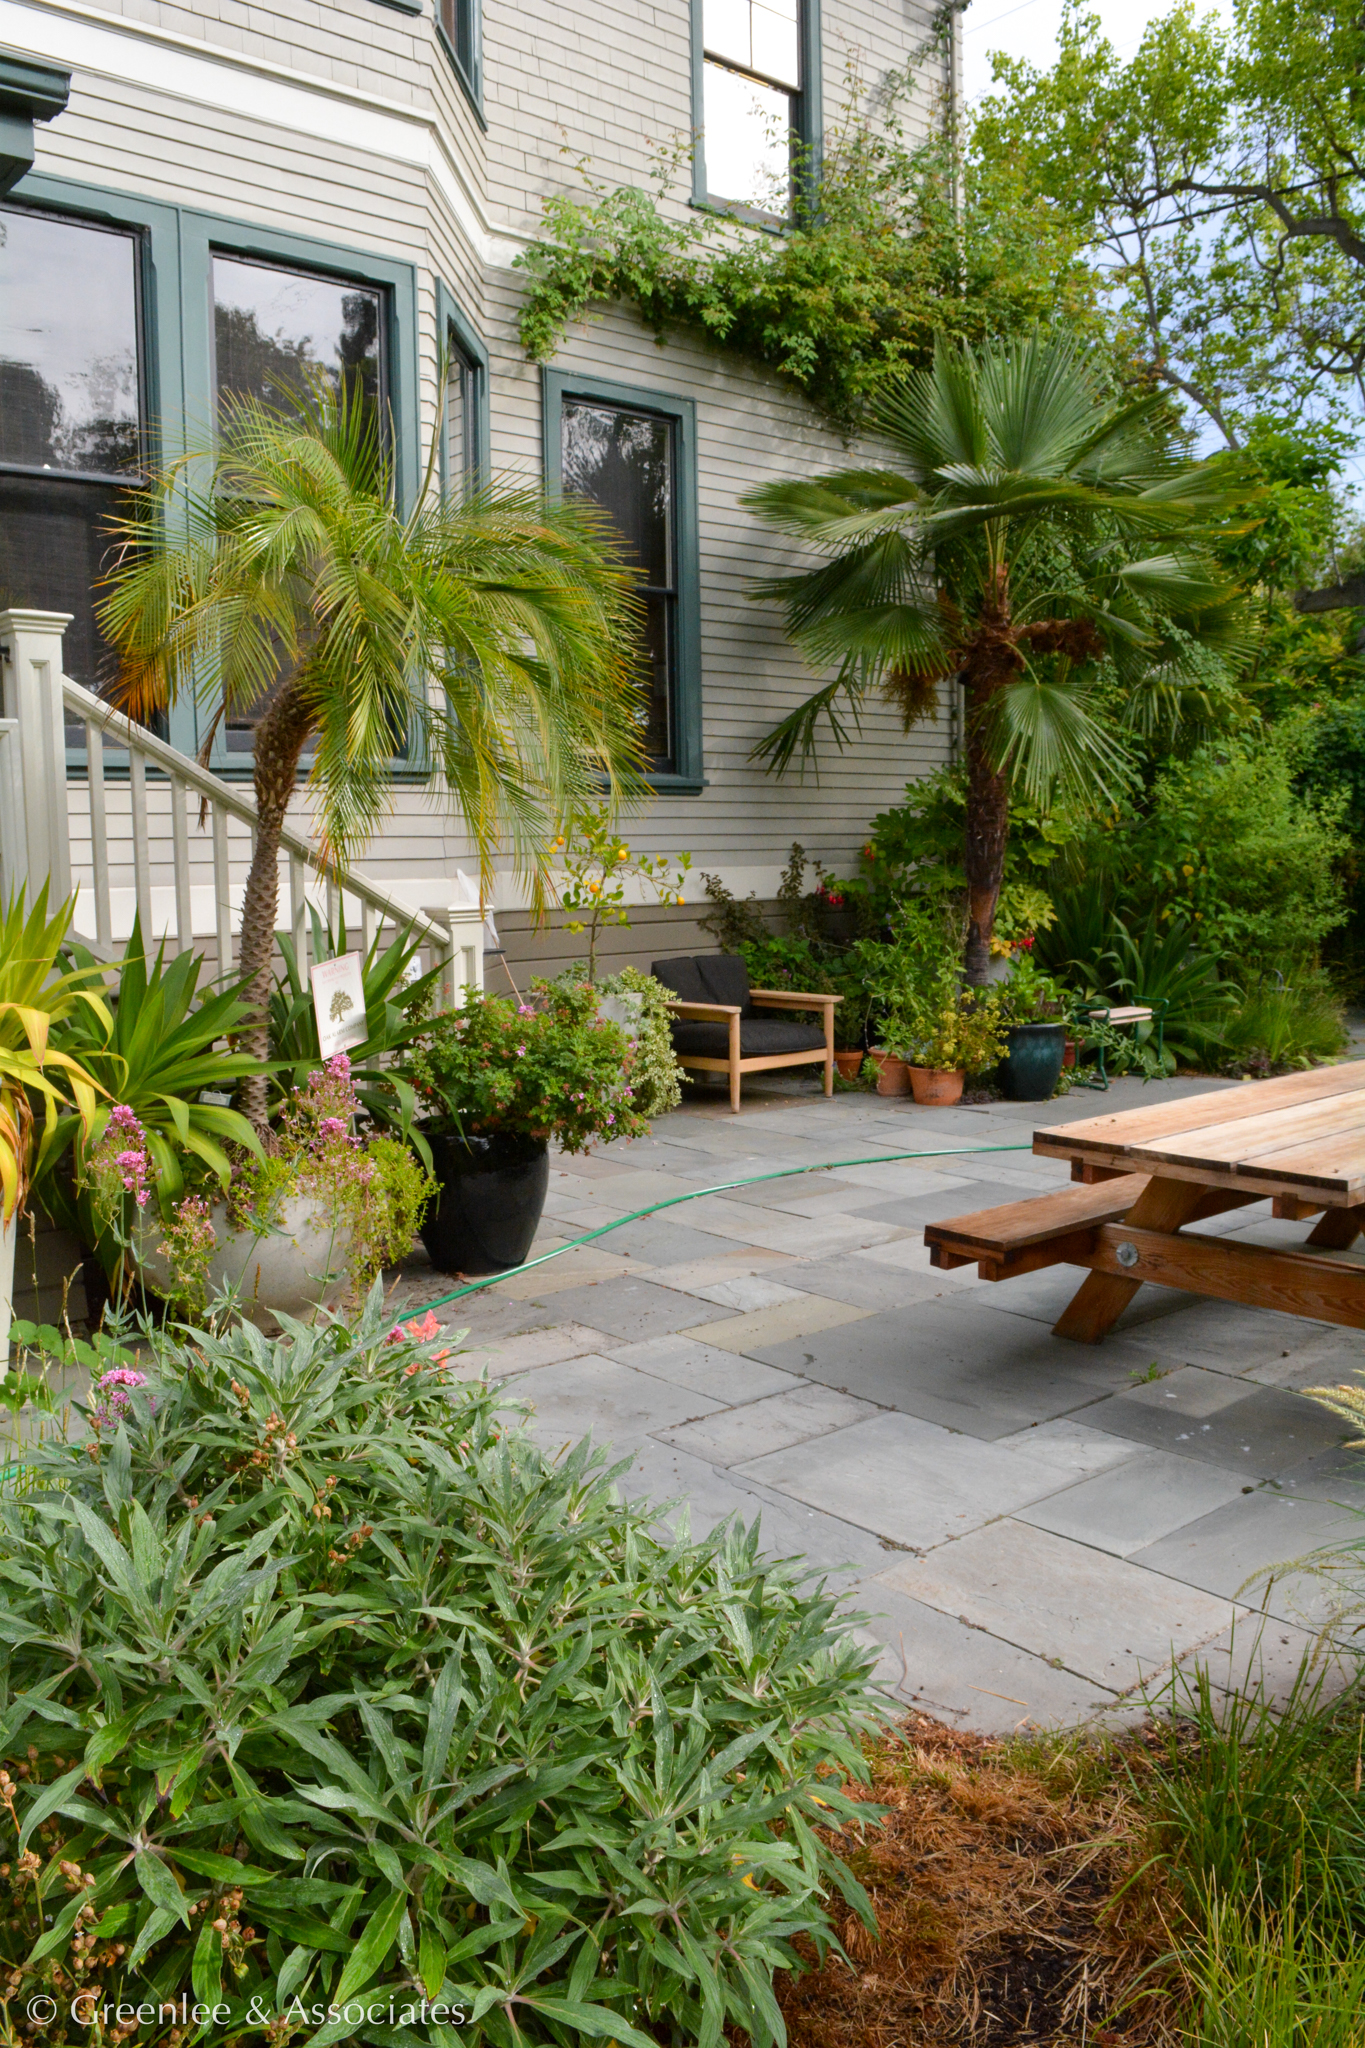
[(69, 393), (624, 462), (457, 19), (273, 329), (461, 444), (656, 680), (52, 552)]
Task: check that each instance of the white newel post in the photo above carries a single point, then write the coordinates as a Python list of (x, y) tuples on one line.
[(35, 841), (466, 950), (31, 671)]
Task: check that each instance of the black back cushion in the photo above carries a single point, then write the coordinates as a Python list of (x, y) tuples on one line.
[(709, 978), (682, 977), (725, 979)]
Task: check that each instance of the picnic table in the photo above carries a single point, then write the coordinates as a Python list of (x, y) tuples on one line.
[(1143, 1176)]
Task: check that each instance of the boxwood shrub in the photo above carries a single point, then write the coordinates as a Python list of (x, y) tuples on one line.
[(325, 1693)]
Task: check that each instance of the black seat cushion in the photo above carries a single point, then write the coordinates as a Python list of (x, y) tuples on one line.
[(707, 978), (758, 1037)]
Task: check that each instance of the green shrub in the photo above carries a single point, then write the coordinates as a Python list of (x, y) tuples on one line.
[(550, 1068), (321, 1685), (1275, 1027), (655, 1074)]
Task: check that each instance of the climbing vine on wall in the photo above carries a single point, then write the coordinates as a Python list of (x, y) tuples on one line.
[(876, 258)]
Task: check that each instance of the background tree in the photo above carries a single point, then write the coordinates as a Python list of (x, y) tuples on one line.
[(1219, 176), (1037, 543), (495, 634)]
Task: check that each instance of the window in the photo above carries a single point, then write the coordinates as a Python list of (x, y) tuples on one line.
[(625, 462), (462, 421), (459, 25), (758, 101), (71, 416), (275, 328), (633, 454)]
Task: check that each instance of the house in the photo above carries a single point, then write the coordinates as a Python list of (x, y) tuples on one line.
[(204, 194)]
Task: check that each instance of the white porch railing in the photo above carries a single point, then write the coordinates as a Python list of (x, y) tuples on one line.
[(180, 835)]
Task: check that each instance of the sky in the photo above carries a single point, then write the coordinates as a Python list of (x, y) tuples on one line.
[(1028, 28)]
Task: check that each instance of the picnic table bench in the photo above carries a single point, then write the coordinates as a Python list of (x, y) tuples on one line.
[(1142, 1176)]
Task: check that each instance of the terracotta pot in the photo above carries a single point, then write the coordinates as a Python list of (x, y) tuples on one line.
[(850, 1064), (1069, 1054), (893, 1076), (937, 1087)]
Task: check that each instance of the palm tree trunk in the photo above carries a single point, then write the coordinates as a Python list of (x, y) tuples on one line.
[(987, 829), (280, 739), (990, 660)]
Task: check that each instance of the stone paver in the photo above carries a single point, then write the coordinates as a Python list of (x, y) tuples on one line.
[(1033, 1529)]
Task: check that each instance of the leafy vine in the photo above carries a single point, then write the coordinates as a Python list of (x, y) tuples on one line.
[(880, 254)]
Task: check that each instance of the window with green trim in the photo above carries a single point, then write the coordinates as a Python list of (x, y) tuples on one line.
[(756, 91), (633, 454), (461, 29), (275, 330), (72, 415)]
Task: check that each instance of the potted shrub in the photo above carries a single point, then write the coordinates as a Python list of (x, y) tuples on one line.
[(307, 1222), (1032, 1014), (942, 1037), (159, 1046), (495, 1082)]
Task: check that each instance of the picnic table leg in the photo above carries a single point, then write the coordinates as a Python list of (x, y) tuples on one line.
[(1336, 1230), (1101, 1298)]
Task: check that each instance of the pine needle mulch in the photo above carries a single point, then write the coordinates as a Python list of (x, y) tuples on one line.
[(1013, 1906)]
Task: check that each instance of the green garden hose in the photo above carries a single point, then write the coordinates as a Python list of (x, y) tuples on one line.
[(721, 1188)]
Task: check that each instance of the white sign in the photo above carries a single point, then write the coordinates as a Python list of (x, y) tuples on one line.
[(339, 1003)]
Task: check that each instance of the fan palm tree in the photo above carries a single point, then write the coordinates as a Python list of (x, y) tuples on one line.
[(1038, 544), (277, 575)]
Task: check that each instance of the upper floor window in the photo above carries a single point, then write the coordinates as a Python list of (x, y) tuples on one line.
[(72, 416), (752, 101), (459, 23)]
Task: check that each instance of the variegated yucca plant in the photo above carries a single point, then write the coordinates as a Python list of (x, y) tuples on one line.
[(326, 1692)]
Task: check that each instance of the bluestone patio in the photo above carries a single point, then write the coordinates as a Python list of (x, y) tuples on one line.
[(1034, 1527)]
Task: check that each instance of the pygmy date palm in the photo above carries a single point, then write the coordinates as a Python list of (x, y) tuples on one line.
[(278, 575), (1039, 545)]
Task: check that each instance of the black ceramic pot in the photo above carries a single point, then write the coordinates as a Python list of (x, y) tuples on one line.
[(1033, 1059), (492, 1191)]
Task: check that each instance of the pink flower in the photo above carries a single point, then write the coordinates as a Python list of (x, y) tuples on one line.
[(332, 1127), (114, 1388)]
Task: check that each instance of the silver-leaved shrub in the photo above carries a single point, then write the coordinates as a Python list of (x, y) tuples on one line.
[(331, 1707)]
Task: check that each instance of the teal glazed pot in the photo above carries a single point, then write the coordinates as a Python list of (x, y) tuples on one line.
[(492, 1192), (1032, 1064)]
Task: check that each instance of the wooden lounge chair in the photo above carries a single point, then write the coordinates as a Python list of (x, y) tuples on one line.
[(717, 1028)]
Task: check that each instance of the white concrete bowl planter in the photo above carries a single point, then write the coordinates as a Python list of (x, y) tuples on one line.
[(294, 1269)]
